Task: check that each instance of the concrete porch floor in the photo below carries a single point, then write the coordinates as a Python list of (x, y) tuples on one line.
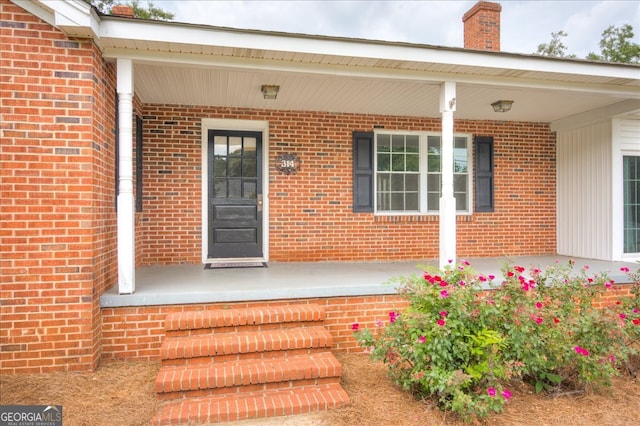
[(184, 284)]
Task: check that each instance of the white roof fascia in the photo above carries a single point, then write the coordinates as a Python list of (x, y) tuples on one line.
[(74, 17), (630, 106), (244, 39), (251, 64)]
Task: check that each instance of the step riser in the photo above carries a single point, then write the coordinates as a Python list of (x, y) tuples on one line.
[(247, 390), (240, 328)]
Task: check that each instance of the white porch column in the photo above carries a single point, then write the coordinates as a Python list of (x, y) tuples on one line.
[(126, 212), (447, 201)]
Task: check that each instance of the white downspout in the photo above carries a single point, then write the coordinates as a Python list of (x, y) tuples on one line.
[(126, 213), (447, 201)]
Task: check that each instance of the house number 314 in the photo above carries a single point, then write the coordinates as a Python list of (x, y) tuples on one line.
[(288, 163)]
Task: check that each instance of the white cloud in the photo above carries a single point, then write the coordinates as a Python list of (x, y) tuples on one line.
[(525, 24)]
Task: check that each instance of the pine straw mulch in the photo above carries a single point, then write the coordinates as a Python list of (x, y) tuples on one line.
[(122, 394)]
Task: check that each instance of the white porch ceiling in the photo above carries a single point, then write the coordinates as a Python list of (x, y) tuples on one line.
[(167, 84)]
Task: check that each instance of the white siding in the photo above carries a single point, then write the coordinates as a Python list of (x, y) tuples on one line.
[(584, 196)]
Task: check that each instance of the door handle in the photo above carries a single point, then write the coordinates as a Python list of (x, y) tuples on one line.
[(259, 202)]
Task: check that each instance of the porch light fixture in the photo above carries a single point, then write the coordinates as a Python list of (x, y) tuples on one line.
[(270, 91), (502, 106)]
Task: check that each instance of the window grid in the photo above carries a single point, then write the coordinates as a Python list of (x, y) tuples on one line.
[(631, 203)]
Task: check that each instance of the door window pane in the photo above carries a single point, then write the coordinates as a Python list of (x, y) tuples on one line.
[(220, 145), (235, 145)]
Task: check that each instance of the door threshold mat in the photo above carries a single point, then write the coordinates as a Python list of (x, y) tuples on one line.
[(223, 265)]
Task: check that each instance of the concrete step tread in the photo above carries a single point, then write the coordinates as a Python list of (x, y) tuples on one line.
[(231, 374), (270, 403), (244, 342), (235, 317)]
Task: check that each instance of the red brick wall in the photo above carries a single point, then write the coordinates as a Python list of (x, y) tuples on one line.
[(311, 216), (57, 201), (138, 332)]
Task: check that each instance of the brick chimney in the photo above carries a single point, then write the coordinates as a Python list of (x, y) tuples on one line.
[(122, 10), (482, 26)]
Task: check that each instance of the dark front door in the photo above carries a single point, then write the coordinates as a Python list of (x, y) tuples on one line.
[(235, 194)]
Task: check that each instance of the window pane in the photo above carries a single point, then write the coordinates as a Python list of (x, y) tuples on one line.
[(220, 166), (433, 149), (397, 183), (413, 143), (249, 167), (433, 201), (249, 189), (384, 162), (384, 182), (220, 188), (397, 201), (460, 183), (384, 143), (235, 145), (235, 188), (433, 183), (413, 162), (235, 167), (397, 162), (460, 155), (412, 182), (249, 146), (412, 201), (397, 143), (461, 201), (220, 145)]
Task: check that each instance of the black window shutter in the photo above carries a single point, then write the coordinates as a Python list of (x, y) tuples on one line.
[(484, 173), (362, 171)]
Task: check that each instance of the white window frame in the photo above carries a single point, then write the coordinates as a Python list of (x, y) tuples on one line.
[(423, 173)]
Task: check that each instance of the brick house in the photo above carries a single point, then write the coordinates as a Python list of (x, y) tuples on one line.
[(129, 143)]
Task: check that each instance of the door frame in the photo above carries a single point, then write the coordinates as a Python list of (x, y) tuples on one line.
[(239, 125)]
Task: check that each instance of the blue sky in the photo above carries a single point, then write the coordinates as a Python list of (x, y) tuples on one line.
[(525, 24)]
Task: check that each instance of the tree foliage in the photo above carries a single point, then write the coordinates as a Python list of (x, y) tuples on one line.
[(616, 45), (140, 11), (555, 47)]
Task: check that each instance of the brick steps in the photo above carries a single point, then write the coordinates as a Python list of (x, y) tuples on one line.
[(235, 364)]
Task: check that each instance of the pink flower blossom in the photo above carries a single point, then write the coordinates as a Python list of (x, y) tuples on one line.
[(556, 320), (612, 358), (491, 392), (636, 310), (422, 339), (393, 316), (444, 294), (491, 276), (622, 316), (441, 322), (539, 305), (444, 313), (585, 267), (624, 269), (510, 274), (506, 394), (538, 320), (355, 326), (581, 350), (636, 321), (443, 283), (607, 284), (520, 269), (462, 283), (379, 323), (482, 278)]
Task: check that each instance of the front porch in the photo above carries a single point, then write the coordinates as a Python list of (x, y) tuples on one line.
[(192, 284)]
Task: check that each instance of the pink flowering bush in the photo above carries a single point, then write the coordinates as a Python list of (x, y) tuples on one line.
[(465, 337)]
